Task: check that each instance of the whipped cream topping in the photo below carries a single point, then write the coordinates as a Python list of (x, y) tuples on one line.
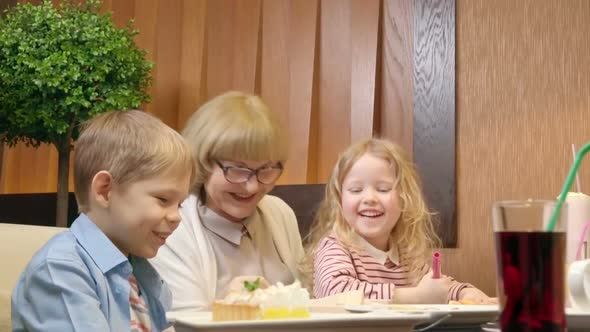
[(279, 295)]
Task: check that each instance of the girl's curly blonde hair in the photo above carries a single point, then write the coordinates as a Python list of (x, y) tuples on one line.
[(414, 231)]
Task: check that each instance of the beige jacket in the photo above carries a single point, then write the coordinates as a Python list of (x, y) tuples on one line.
[(187, 263)]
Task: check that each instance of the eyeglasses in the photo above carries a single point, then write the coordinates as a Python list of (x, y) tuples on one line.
[(264, 174)]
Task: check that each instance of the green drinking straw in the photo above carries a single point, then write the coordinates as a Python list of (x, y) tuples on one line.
[(566, 186)]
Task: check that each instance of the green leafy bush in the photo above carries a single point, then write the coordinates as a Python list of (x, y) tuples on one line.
[(61, 66)]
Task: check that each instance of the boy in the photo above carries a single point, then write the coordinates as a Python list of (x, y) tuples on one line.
[(131, 173)]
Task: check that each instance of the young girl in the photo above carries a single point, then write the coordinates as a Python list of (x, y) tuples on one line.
[(373, 232)]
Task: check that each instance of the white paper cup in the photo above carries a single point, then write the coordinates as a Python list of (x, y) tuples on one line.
[(578, 278)]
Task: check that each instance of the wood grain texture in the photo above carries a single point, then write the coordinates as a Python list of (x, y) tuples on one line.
[(146, 17), (22, 164), (4, 4), (303, 37), (123, 11), (275, 58), (364, 30), (522, 98), (192, 59), (397, 73), (434, 109), (245, 38), (220, 50), (166, 84), (310, 60), (334, 84)]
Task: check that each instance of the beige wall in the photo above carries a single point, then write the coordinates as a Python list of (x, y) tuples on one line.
[(523, 96)]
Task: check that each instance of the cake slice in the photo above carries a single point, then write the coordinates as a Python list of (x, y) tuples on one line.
[(274, 302)]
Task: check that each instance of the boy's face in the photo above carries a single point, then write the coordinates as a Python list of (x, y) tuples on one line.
[(141, 215), (370, 201), (236, 201)]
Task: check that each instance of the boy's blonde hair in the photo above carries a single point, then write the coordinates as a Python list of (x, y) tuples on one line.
[(131, 146), (413, 232), (233, 126)]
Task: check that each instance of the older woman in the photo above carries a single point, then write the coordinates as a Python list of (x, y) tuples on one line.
[(230, 227)]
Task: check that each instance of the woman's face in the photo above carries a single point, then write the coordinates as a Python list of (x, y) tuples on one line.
[(237, 201)]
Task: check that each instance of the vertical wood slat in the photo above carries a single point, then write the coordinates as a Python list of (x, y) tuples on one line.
[(220, 46), (397, 72), (122, 11), (364, 26), (434, 108), (275, 59), (166, 73), (232, 45), (245, 39), (192, 59), (22, 164), (303, 24), (334, 84), (146, 16)]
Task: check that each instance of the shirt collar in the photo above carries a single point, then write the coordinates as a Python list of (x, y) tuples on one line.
[(99, 247), (379, 255), (228, 230)]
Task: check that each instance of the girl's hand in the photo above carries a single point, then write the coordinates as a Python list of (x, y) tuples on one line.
[(476, 296), (434, 291)]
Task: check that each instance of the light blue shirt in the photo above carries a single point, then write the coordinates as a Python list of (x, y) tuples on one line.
[(79, 281)]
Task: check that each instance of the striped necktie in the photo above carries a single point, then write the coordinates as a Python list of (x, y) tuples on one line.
[(138, 309)]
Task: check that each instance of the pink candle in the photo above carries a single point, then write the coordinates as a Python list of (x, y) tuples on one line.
[(436, 265)]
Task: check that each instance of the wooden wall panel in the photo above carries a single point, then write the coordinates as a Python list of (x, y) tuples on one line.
[(192, 59), (397, 73), (122, 11), (303, 61), (522, 99), (6, 3), (232, 45), (364, 28), (245, 38), (26, 169), (334, 84), (166, 85), (275, 57), (434, 108), (220, 27), (334, 70), (145, 21)]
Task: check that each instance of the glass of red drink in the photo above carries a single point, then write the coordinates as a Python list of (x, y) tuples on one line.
[(531, 265)]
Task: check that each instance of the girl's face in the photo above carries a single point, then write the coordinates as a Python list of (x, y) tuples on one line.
[(370, 201)]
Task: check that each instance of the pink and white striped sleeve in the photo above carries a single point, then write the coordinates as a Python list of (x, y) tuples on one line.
[(334, 272)]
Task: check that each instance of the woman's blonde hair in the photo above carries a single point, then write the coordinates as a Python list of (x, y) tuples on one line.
[(233, 126), (130, 145), (413, 233)]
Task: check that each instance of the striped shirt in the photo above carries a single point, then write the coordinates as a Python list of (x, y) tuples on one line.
[(338, 269)]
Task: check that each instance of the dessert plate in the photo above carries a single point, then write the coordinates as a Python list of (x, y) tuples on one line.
[(460, 314), (320, 322)]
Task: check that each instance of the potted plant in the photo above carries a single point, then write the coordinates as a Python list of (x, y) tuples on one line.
[(60, 66)]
